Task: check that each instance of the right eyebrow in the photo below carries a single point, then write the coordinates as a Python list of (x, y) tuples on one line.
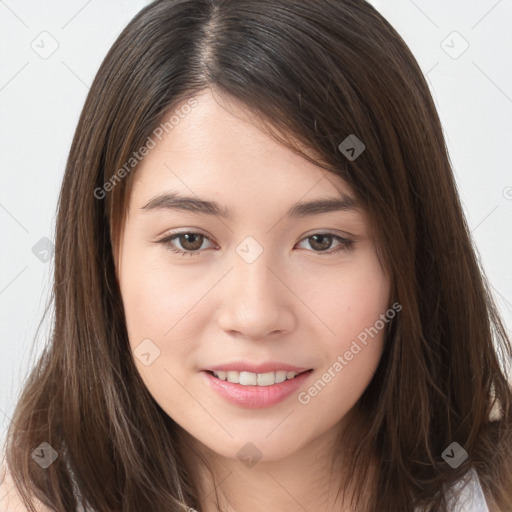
[(175, 201)]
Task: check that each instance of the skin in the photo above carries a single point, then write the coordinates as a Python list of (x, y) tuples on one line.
[(295, 303)]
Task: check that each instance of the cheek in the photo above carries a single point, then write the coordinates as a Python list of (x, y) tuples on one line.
[(162, 307), (348, 301), (157, 303), (147, 303), (359, 309), (353, 308)]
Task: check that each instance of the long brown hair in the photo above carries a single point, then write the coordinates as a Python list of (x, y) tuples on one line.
[(317, 71)]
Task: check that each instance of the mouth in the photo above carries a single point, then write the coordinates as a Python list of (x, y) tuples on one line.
[(245, 378), (255, 390)]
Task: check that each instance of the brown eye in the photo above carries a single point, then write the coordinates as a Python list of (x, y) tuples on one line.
[(321, 242), (191, 241), (188, 242)]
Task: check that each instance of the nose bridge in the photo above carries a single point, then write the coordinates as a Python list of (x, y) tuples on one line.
[(256, 302), (251, 264)]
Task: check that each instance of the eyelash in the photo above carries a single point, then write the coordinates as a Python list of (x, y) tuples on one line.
[(345, 244)]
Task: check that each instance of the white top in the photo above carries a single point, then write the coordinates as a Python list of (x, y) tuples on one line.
[(471, 498)]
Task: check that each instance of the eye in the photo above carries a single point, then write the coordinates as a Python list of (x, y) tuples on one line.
[(322, 242), (190, 241)]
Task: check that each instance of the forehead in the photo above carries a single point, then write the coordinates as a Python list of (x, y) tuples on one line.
[(218, 150)]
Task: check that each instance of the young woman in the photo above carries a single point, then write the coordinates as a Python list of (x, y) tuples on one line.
[(266, 295)]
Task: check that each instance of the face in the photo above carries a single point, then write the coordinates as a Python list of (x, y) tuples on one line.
[(254, 283)]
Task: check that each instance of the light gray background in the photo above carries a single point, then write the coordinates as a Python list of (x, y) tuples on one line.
[(41, 98)]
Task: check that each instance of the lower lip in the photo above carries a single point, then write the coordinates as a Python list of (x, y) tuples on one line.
[(255, 397)]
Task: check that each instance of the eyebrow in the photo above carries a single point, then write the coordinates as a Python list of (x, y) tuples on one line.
[(175, 201)]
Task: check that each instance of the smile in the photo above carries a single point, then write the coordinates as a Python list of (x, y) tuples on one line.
[(255, 379), (269, 391)]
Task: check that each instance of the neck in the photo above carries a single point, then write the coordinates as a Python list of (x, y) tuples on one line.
[(309, 479)]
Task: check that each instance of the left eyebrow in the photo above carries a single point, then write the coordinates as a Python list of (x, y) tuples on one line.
[(175, 201), (343, 203)]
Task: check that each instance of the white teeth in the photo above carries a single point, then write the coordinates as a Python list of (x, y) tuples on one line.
[(233, 377), (266, 379), (255, 379), (247, 379), (281, 376)]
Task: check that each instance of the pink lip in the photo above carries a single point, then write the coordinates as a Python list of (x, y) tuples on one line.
[(246, 366), (255, 397)]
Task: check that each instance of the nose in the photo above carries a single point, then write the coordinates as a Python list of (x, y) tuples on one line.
[(256, 301)]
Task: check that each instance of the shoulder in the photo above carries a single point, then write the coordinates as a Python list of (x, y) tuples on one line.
[(10, 500)]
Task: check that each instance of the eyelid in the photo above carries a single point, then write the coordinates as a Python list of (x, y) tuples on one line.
[(346, 240), (330, 231), (326, 231), (175, 234)]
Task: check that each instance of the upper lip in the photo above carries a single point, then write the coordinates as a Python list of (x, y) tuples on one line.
[(245, 366)]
